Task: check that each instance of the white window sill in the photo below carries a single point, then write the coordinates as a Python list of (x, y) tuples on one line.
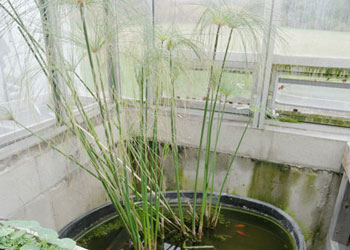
[(21, 139)]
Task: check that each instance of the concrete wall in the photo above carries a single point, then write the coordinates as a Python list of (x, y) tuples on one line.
[(39, 184), (305, 194)]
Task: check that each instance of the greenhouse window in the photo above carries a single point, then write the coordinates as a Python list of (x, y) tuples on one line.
[(191, 90), (314, 28), (27, 92), (320, 100), (24, 89)]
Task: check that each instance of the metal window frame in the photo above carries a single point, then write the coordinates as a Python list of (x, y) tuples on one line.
[(299, 66), (271, 7)]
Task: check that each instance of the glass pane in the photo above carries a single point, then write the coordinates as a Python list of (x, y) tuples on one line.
[(134, 35), (185, 15), (314, 97), (188, 18), (24, 89), (314, 28), (316, 100), (236, 85), (130, 87), (75, 55)]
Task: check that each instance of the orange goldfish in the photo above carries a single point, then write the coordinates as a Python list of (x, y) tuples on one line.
[(241, 233), (239, 225)]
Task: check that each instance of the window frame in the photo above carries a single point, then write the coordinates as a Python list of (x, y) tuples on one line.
[(297, 65), (264, 81)]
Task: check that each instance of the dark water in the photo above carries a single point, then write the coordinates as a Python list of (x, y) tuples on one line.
[(236, 230)]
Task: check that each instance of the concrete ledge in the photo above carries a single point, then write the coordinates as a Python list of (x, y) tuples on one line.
[(346, 160), (274, 144), (342, 195)]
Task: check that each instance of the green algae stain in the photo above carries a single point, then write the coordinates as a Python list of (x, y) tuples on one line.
[(309, 187), (341, 73), (181, 174), (100, 231), (186, 183), (316, 239), (295, 117), (286, 119), (271, 183), (306, 232)]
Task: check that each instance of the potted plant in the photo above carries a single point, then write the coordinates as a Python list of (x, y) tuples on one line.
[(126, 157), (29, 235)]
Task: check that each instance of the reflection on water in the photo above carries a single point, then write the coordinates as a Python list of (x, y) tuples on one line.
[(237, 229)]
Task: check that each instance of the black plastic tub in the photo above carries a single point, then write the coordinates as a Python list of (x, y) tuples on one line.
[(81, 224)]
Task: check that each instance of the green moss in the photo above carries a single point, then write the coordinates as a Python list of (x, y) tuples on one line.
[(171, 184), (186, 183), (271, 183), (341, 73), (310, 183), (181, 173), (306, 232), (232, 192), (100, 231), (170, 188), (283, 119), (292, 116), (316, 239)]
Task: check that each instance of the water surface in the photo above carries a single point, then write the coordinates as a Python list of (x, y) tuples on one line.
[(236, 230)]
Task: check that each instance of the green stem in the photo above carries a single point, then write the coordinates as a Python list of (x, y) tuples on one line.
[(210, 128), (230, 166), (174, 145), (201, 142), (213, 160)]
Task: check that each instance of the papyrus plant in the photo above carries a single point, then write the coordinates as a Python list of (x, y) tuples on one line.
[(121, 141), (219, 19)]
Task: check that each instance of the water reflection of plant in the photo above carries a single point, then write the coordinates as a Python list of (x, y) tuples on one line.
[(126, 156)]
